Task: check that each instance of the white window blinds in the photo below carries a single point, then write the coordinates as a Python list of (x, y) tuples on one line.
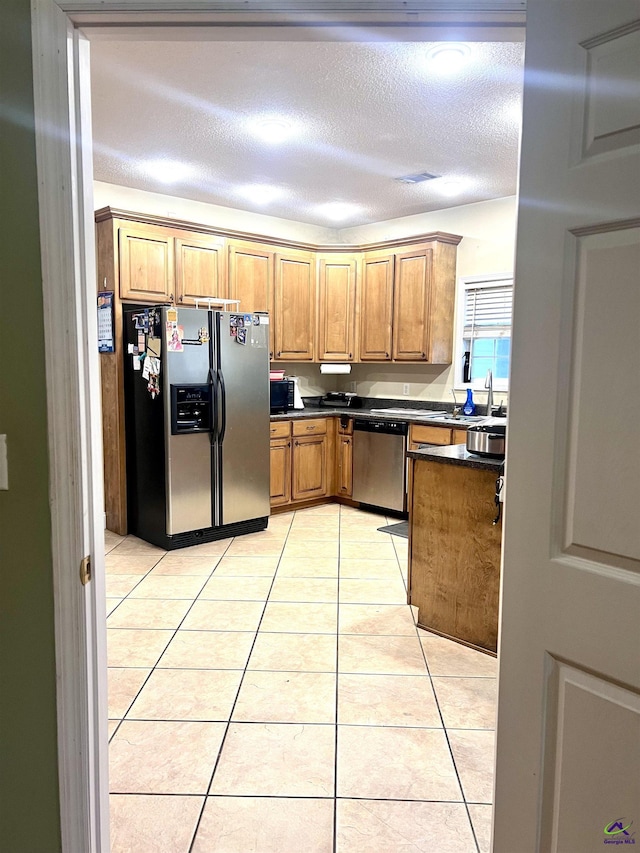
[(488, 310)]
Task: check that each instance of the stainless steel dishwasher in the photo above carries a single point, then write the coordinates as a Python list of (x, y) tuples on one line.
[(379, 466)]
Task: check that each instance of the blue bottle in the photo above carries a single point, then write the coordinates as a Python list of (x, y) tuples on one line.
[(469, 407)]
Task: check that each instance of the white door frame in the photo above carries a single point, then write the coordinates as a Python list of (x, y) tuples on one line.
[(65, 174)]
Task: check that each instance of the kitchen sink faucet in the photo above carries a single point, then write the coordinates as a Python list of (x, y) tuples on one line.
[(488, 383)]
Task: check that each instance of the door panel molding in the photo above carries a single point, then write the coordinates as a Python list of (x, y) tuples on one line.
[(584, 752)]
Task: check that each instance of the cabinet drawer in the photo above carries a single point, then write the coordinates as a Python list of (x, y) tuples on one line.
[(280, 429), (429, 434), (317, 426)]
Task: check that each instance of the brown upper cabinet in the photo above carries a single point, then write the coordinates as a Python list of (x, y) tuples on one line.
[(251, 276), (406, 304), (160, 264), (147, 267), (376, 306), (200, 268), (294, 306), (337, 275)]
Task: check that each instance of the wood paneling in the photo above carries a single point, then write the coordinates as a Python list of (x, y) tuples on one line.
[(376, 307), (295, 306), (454, 556), (412, 290), (200, 268), (337, 307)]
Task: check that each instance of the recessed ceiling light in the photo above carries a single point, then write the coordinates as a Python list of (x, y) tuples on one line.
[(260, 193), (338, 211), (272, 129), (452, 186), (166, 171), (448, 57)]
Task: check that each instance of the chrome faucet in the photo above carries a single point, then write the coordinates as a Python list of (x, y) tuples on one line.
[(488, 383)]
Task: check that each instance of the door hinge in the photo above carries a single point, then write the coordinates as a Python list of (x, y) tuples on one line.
[(85, 571)]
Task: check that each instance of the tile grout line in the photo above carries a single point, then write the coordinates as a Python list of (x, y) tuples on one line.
[(446, 734), (335, 742), (232, 709), (170, 640)]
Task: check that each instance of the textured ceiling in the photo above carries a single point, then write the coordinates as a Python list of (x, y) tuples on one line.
[(365, 114)]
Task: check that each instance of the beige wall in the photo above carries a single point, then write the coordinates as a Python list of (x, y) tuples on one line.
[(215, 215), (488, 232), (488, 244)]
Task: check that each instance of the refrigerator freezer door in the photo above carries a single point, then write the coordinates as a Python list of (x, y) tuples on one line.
[(188, 457), (243, 423)]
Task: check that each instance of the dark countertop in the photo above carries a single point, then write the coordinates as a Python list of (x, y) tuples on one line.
[(326, 412), (456, 454)]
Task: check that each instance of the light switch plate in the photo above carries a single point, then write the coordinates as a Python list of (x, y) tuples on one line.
[(405, 389), (4, 468)]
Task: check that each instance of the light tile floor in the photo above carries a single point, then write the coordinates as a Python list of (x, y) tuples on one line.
[(272, 694)]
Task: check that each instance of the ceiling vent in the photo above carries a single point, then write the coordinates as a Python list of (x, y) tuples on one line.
[(417, 178)]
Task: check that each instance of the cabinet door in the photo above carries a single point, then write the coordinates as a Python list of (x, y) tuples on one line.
[(345, 466), (280, 471), (146, 254), (200, 268), (337, 307), (294, 309), (251, 271), (376, 307), (309, 467), (412, 305)]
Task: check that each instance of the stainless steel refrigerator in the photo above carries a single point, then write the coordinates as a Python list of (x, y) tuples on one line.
[(197, 424)]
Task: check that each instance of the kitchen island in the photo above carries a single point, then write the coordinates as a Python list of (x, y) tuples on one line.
[(454, 546)]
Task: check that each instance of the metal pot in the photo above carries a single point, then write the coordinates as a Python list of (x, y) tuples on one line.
[(487, 440)]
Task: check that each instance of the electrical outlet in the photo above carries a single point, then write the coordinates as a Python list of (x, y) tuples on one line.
[(405, 389)]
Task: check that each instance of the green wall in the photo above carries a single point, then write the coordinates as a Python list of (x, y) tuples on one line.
[(29, 799)]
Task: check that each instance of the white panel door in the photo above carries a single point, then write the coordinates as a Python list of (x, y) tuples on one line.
[(568, 742)]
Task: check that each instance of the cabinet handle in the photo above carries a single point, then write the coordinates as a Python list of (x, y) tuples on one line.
[(386, 355), (297, 443), (181, 298), (288, 444), (171, 297), (423, 355), (279, 355), (309, 426), (350, 355)]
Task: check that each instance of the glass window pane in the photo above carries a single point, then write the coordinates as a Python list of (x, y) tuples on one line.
[(503, 347), (502, 368), (483, 347), (479, 367)]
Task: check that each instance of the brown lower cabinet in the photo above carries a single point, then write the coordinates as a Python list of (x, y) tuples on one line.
[(302, 459), (312, 458)]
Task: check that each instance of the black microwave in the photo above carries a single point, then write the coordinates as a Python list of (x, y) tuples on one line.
[(280, 395)]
